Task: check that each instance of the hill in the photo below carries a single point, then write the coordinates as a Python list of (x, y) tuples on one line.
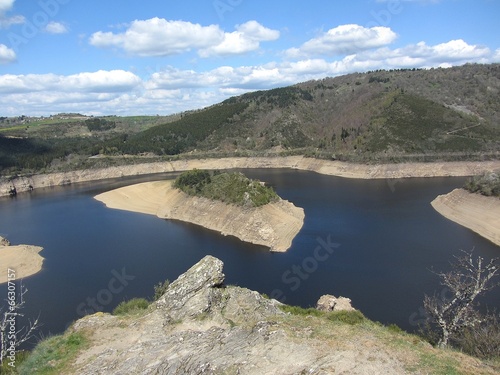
[(201, 326), (378, 116)]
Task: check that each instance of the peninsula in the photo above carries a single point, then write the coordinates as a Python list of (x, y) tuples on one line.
[(24, 260), (476, 206), (273, 224)]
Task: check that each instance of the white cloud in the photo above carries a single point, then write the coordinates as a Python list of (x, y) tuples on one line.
[(6, 5), (7, 55), (6, 22), (454, 52), (96, 82), (160, 37), (246, 38), (345, 40), (56, 28), (172, 89)]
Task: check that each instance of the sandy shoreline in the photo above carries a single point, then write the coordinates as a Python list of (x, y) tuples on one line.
[(24, 260), (479, 213), (274, 225), (328, 167)]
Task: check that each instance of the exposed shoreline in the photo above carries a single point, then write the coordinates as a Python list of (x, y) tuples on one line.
[(24, 260), (474, 211), (273, 225), (328, 167)]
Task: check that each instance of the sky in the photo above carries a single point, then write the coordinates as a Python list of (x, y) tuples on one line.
[(128, 57)]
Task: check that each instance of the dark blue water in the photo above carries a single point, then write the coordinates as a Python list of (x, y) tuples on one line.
[(373, 241)]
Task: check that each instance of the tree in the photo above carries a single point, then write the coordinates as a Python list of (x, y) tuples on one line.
[(11, 337), (467, 279)]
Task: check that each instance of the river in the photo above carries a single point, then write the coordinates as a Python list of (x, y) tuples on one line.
[(374, 241)]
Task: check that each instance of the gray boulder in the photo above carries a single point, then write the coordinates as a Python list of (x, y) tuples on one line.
[(331, 303)]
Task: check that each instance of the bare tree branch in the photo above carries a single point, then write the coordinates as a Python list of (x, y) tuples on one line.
[(10, 335), (468, 279)]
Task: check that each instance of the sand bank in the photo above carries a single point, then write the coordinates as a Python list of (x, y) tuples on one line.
[(476, 212), (274, 225), (336, 168), (25, 260)]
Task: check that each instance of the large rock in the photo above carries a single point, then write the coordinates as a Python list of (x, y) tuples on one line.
[(200, 326), (332, 303), (4, 241), (194, 292)]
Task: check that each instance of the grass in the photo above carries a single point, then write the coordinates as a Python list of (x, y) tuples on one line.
[(5, 368), (347, 330), (53, 355), (131, 307)]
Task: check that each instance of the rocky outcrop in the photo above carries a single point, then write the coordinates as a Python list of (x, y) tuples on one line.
[(329, 303), (200, 326), (274, 225), (329, 167)]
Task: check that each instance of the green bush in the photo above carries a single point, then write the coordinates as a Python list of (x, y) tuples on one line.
[(231, 188), (487, 184), (348, 317), (133, 306), (297, 310), (160, 289), (193, 182), (394, 328)]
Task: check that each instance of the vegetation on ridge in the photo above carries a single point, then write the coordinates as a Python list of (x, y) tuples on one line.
[(400, 115), (487, 184), (228, 187)]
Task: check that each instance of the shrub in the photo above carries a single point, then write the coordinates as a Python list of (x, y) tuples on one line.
[(481, 340), (297, 310), (231, 188), (131, 307), (192, 182), (348, 317), (394, 328), (487, 184), (160, 289)]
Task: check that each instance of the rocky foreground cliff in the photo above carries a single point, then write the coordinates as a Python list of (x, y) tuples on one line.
[(201, 326)]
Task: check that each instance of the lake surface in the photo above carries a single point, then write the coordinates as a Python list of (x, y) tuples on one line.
[(374, 241)]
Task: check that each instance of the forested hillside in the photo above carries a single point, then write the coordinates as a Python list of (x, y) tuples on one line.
[(380, 116)]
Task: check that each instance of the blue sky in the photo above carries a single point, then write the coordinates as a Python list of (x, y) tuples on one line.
[(159, 57)]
